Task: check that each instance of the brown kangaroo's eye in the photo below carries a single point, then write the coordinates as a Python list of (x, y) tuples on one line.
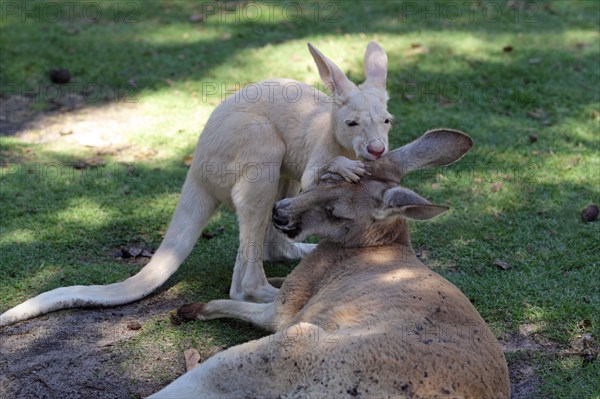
[(387, 121), (352, 123)]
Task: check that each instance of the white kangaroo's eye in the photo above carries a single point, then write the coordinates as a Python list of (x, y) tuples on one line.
[(352, 123), (387, 120)]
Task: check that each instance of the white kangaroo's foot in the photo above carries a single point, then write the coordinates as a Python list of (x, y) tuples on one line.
[(249, 282), (264, 293)]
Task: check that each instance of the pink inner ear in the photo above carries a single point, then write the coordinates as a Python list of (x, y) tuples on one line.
[(376, 65), (376, 71), (343, 85)]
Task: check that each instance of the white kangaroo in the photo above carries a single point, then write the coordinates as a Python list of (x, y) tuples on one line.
[(259, 145), (360, 316)]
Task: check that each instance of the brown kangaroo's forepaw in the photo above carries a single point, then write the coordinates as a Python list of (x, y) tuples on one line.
[(191, 311)]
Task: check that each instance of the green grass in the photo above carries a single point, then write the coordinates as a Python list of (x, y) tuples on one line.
[(62, 231)]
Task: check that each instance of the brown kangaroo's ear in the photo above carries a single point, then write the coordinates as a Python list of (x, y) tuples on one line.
[(400, 200), (332, 76), (422, 212), (437, 147), (376, 65)]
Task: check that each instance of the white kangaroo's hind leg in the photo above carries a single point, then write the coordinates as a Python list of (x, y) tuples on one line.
[(253, 200), (249, 281)]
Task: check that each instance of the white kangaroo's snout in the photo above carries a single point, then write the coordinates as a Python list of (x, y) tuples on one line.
[(376, 148), (369, 150)]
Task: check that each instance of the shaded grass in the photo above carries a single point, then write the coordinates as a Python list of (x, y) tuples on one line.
[(511, 199)]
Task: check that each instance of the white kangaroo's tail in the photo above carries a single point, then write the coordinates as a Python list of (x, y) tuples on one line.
[(193, 211)]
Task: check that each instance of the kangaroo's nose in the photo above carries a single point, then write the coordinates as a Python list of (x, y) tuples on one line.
[(278, 219), (376, 148)]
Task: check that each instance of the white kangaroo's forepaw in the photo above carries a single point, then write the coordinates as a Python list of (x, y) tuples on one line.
[(303, 249), (350, 170), (288, 250)]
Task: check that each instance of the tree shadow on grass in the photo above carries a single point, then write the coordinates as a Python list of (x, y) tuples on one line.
[(559, 240), (118, 61)]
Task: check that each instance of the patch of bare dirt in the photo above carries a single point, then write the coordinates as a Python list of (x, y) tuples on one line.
[(76, 354), (526, 339), (526, 346), (70, 119), (524, 380), (523, 377)]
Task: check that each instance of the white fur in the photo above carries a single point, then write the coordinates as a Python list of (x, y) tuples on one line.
[(261, 144)]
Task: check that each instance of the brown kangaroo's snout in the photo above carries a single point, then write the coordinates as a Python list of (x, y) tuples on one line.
[(282, 221)]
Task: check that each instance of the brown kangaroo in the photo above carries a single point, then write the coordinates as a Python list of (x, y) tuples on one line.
[(361, 316)]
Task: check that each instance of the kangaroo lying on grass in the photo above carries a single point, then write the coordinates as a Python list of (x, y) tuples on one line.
[(361, 315), (258, 146)]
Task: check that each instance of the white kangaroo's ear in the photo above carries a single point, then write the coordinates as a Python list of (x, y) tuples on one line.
[(376, 65), (332, 76), (400, 200)]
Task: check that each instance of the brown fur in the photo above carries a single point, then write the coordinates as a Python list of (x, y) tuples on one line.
[(361, 316)]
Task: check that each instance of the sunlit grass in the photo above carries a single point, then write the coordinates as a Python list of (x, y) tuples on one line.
[(511, 199)]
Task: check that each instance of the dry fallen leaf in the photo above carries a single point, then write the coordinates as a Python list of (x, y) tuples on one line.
[(444, 101), (187, 161), (131, 251), (134, 325), (146, 253), (495, 187), (144, 153), (192, 357), (416, 49), (92, 162), (502, 264), (537, 114)]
